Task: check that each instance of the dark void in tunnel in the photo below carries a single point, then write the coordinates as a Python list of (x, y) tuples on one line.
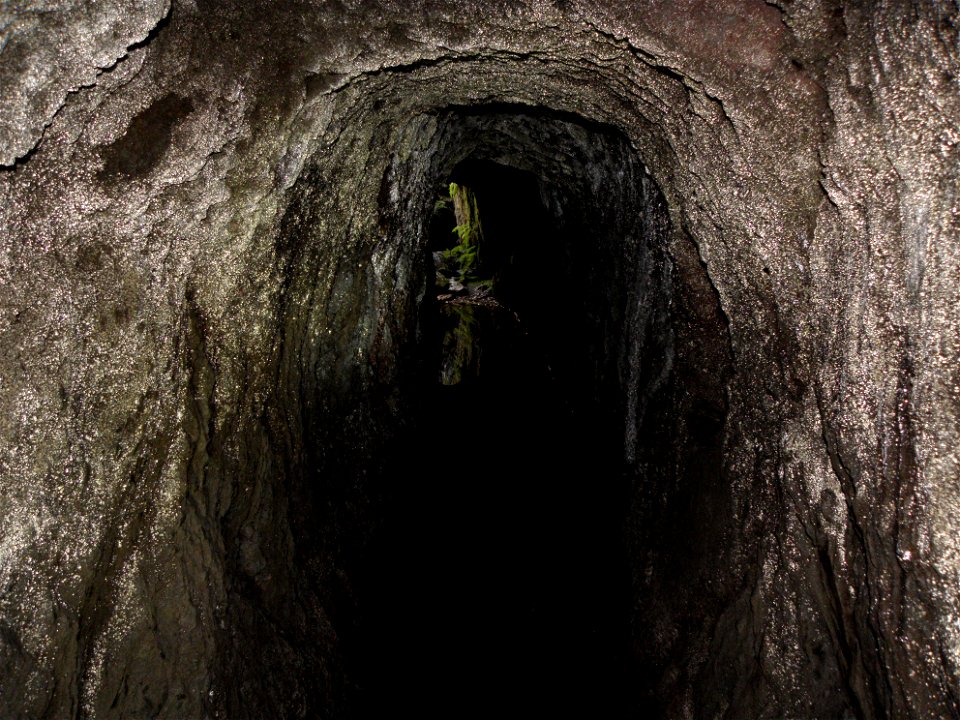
[(541, 528), (501, 582), (505, 573)]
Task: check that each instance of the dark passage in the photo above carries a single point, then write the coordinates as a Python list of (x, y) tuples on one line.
[(499, 572), (498, 583)]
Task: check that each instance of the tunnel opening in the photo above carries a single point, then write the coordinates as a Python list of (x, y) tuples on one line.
[(500, 581), (521, 535), (551, 414)]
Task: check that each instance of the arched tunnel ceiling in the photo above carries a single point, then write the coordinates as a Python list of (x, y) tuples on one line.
[(204, 261)]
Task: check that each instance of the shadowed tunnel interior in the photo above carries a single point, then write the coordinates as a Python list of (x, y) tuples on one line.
[(502, 570), (501, 582), (669, 432)]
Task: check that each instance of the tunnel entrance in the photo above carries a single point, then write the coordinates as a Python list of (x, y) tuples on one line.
[(510, 531), (500, 582)]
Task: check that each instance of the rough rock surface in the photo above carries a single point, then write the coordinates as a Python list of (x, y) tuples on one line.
[(212, 262)]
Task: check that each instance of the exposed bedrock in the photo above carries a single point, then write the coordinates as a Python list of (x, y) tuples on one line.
[(728, 232)]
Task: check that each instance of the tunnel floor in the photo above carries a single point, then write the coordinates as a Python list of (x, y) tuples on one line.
[(498, 582)]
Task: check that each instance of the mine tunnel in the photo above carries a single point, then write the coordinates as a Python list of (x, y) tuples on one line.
[(501, 579), (547, 358), (498, 566)]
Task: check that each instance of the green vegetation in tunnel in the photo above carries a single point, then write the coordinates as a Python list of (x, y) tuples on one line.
[(499, 583)]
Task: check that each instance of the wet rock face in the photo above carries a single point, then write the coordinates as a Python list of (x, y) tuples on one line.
[(214, 276)]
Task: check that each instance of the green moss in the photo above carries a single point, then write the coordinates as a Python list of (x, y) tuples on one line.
[(466, 253)]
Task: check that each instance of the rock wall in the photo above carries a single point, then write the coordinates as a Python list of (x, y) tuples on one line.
[(210, 277)]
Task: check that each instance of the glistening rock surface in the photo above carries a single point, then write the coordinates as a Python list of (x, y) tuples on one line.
[(211, 272)]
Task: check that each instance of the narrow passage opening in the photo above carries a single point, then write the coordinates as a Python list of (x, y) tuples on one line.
[(525, 516), (499, 581)]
